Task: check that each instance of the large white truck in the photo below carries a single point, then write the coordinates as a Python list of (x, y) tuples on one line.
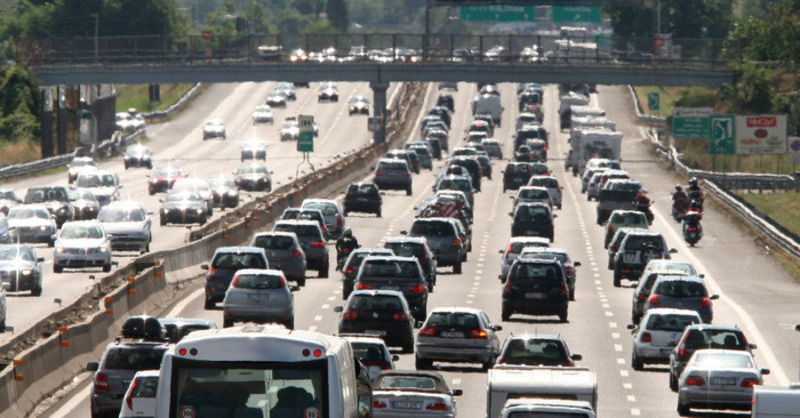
[(593, 143), (511, 382), (776, 401), (488, 103)]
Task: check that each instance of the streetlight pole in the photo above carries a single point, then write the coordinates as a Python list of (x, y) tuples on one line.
[(426, 41), (96, 33)]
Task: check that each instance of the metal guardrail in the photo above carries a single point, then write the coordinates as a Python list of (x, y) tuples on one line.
[(640, 115), (175, 106)]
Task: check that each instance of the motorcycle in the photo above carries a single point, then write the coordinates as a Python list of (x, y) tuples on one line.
[(341, 257), (644, 207), (678, 211), (692, 231)]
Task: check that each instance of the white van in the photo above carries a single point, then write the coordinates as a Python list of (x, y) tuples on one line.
[(776, 401), (512, 382), (258, 370), (488, 103)]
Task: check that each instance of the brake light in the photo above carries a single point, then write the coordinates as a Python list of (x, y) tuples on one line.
[(418, 290), (438, 406), (749, 382), (610, 228), (400, 316), (349, 271), (509, 250), (456, 242), (339, 220), (516, 202), (478, 333), (646, 337), (692, 229), (129, 398), (376, 404), (318, 244), (364, 286), (545, 148), (501, 360), (695, 381), (406, 175), (705, 303), (378, 174), (507, 287), (235, 281), (570, 270), (564, 290), (101, 382), (427, 332), (653, 300), (296, 253), (283, 283), (211, 270), (349, 315)]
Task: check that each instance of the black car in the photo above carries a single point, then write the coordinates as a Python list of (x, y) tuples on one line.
[(362, 197), (224, 265), (353, 264), (183, 208), (253, 177), (55, 198), (535, 287), (516, 175), (416, 247), (223, 192), (532, 219), (19, 267), (473, 166), (447, 101), (383, 313), (396, 273)]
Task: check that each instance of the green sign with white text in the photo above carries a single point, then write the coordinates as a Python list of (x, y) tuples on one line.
[(722, 135), (497, 13), (577, 14)]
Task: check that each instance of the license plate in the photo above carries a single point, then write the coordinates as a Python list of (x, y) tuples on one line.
[(362, 199), (379, 333), (530, 232), (518, 179), (407, 404), (665, 352), (535, 295), (389, 287), (452, 334), (629, 258), (258, 297), (723, 381)]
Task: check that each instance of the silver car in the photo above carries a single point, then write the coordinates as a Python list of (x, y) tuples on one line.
[(259, 295), (718, 379), (334, 217), (372, 353), (103, 184), (31, 224), (20, 269), (263, 114), (79, 165), (196, 185), (253, 150), (82, 244), (552, 185), (408, 393), (659, 331), (290, 130), (457, 335), (128, 225), (284, 253), (214, 128)]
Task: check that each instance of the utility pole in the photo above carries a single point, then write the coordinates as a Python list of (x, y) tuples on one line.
[(96, 33), (426, 41)]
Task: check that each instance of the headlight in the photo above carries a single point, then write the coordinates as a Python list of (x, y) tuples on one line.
[(62, 210), (199, 211), (26, 272), (103, 249), (43, 228), (60, 250)]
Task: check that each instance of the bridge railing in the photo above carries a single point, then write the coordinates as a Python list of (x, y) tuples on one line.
[(381, 48)]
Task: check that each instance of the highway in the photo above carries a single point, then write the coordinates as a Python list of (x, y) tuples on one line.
[(179, 142), (756, 294)]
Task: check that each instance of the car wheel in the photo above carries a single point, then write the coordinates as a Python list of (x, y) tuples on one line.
[(126, 166), (572, 295), (203, 221), (151, 191), (563, 315), (636, 363), (163, 222), (346, 213), (505, 313), (107, 268), (423, 364), (37, 290), (57, 268), (488, 364), (3, 325), (323, 271), (408, 347), (673, 382), (301, 281), (617, 278), (227, 323), (209, 304), (378, 213), (457, 268), (289, 324), (683, 410), (408, 191)]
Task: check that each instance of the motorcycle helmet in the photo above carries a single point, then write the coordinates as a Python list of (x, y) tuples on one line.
[(678, 188), (693, 181), (348, 233)]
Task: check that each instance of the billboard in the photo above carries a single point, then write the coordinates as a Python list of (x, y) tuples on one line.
[(761, 134)]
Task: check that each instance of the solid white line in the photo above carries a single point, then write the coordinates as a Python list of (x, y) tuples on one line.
[(181, 306), (78, 398)]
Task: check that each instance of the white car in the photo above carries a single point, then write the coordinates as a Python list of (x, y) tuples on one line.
[(214, 128), (263, 114), (290, 130), (123, 122), (31, 224), (80, 165), (140, 398), (373, 354), (128, 225), (103, 184), (658, 332), (199, 186), (82, 244)]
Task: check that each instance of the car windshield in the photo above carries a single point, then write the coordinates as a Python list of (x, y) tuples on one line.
[(27, 213), (121, 215), (46, 195), (221, 182), (722, 360), (258, 281), (82, 163), (535, 351), (81, 232), (181, 196), (238, 261), (96, 180), (81, 195), (252, 169), (14, 252), (135, 150), (274, 242), (125, 358), (326, 208), (671, 322), (681, 289), (389, 268)]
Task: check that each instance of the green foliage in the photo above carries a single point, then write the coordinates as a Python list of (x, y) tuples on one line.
[(682, 18), (774, 38), (697, 97), (338, 15), (19, 105), (753, 89), (789, 103)]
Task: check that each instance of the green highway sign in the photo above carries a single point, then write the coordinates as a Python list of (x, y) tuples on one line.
[(691, 122), (497, 13), (305, 141), (577, 14), (722, 134), (653, 101)]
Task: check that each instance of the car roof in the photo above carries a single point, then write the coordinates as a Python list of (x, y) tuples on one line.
[(643, 232), (276, 233), (363, 339), (703, 327), (434, 375), (545, 250), (391, 160), (147, 373), (88, 222), (195, 321), (391, 258), (375, 292), (678, 277), (299, 222), (670, 311), (537, 261), (524, 239), (413, 240), (373, 250), (537, 204), (456, 309), (125, 204), (240, 249), (527, 335), (540, 188), (270, 272)]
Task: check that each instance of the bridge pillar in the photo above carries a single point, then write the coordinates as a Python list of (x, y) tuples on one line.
[(379, 108)]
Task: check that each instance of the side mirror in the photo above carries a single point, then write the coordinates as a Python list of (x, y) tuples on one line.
[(501, 251), (92, 366), (150, 213), (395, 357), (631, 326), (797, 327), (403, 232), (714, 297), (702, 276), (555, 216), (40, 259), (458, 392), (383, 193), (161, 200), (577, 264), (753, 346), (510, 213), (497, 327), (673, 251), (576, 357), (204, 266), (417, 324), (511, 197), (338, 309), (765, 371)]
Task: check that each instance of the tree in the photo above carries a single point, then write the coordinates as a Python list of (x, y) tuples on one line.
[(338, 15), (19, 105)]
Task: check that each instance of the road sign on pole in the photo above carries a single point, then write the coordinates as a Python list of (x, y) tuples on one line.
[(577, 14), (305, 141), (691, 122), (653, 101), (722, 135), (497, 13)]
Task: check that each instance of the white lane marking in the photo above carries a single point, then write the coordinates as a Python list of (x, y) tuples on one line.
[(597, 282), (612, 324), (326, 306), (635, 412), (609, 314), (615, 335), (74, 402), (318, 318), (331, 298), (627, 385), (456, 381), (623, 373), (631, 398), (620, 360), (617, 347), (312, 328), (181, 306)]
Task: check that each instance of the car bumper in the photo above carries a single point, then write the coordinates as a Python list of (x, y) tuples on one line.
[(82, 260), (182, 217), (535, 308), (402, 413), (652, 354), (392, 184), (255, 313), (293, 270), (393, 336), (454, 353), (253, 185), (18, 281), (716, 399), (124, 243)]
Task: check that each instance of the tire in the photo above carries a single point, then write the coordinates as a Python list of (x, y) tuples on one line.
[(423, 364), (563, 316), (209, 304), (37, 290), (203, 221), (572, 295), (57, 268), (673, 383), (617, 278), (163, 222), (3, 325), (378, 214), (289, 324), (636, 363), (488, 364), (683, 410), (227, 323), (408, 347), (106, 268), (323, 271), (408, 191), (457, 268), (505, 313), (302, 281)]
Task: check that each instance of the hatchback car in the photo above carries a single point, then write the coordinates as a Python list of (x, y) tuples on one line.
[(700, 337), (381, 313), (214, 128), (372, 352), (624, 219), (224, 192), (259, 295), (532, 219), (362, 197), (410, 157), (459, 183), (516, 175), (20, 269), (459, 334), (403, 274), (533, 194), (225, 262), (536, 287), (658, 333), (353, 264), (84, 205), (140, 398), (493, 147), (311, 240), (334, 217), (31, 224), (416, 247), (443, 238), (635, 251), (54, 198), (536, 350), (183, 208), (82, 244), (284, 253), (128, 225), (643, 288), (513, 250), (161, 179), (682, 292), (552, 185), (408, 393), (561, 255), (393, 174), (718, 379), (253, 149)]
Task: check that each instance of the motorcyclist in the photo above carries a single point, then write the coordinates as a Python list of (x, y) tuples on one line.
[(680, 201), (642, 204), (344, 246), (694, 191)]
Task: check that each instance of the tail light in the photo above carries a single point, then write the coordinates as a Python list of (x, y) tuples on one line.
[(478, 334), (501, 360), (349, 270), (406, 175), (509, 251), (516, 202), (378, 174), (427, 332), (545, 148), (705, 303), (641, 296), (564, 290), (376, 404), (349, 315), (339, 220), (235, 281), (646, 337), (400, 316), (363, 286), (417, 290), (101, 382), (438, 406), (456, 242), (749, 382), (134, 383), (507, 287), (570, 270), (318, 244), (211, 270), (283, 283), (610, 228), (681, 351), (692, 229), (653, 300), (296, 253), (695, 381)]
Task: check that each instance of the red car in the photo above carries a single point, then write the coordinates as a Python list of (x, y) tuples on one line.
[(162, 178)]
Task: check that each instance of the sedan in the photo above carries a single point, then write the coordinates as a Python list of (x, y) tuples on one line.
[(31, 223), (254, 177), (276, 99), (214, 128), (287, 89), (82, 244), (290, 130), (79, 165), (196, 185), (718, 379), (138, 155), (128, 225), (84, 204), (328, 93), (259, 295), (183, 208), (457, 335), (405, 393), (161, 179), (224, 192), (20, 269), (103, 184), (254, 150), (263, 114), (359, 105)]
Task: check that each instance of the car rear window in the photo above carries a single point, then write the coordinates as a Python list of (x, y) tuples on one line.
[(722, 360), (518, 169), (716, 338), (368, 351), (259, 281), (628, 218), (637, 242), (238, 261), (681, 289), (363, 189), (536, 272), (535, 351), (540, 169), (391, 166), (551, 183), (375, 303), (441, 229), (146, 387), (407, 382), (304, 232), (670, 322), (274, 242), (134, 358), (537, 213), (459, 320), (389, 268), (534, 194)]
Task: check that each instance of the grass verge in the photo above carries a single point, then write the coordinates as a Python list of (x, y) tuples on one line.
[(19, 152), (138, 96), (784, 208)]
